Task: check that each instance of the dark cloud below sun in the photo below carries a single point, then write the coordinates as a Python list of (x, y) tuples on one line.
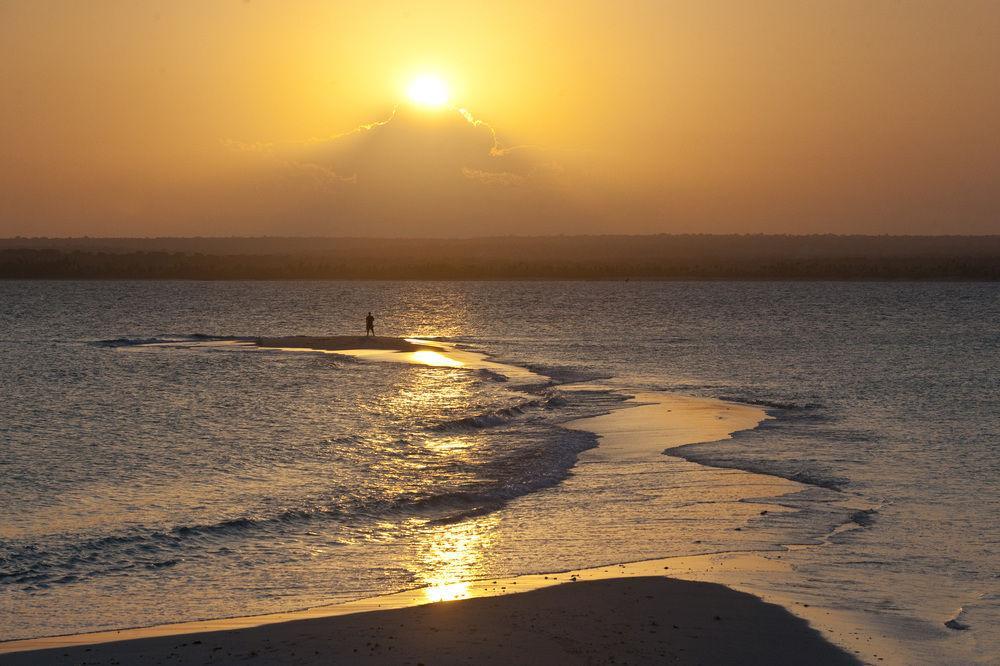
[(419, 172)]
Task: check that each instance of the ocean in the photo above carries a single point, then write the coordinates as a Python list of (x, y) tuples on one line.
[(153, 469)]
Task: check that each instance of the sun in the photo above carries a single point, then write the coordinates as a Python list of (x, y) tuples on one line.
[(429, 91)]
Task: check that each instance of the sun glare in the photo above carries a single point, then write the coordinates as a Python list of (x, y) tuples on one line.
[(427, 357), (428, 91)]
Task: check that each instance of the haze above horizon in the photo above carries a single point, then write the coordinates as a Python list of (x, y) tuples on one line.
[(239, 118)]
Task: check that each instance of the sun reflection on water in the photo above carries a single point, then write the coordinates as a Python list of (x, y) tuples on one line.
[(449, 445), (427, 357), (447, 592), (453, 555), (449, 549)]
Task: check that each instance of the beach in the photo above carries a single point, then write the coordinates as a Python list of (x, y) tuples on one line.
[(228, 470), (624, 621), (663, 331), (628, 613)]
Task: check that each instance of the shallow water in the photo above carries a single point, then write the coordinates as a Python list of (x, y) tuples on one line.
[(145, 484)]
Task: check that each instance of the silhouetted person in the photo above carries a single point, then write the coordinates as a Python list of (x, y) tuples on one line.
[(369, 325)]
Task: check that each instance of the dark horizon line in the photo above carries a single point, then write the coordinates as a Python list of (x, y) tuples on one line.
[(698, 256), (506, 236)]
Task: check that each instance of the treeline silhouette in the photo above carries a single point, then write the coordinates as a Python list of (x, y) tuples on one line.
[(665, 257)]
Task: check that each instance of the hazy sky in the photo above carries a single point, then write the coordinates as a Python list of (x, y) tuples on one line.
[(233, 117)]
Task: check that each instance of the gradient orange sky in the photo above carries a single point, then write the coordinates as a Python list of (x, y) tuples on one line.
[(233, 117)]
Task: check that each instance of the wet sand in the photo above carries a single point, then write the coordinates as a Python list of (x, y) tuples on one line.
[(404, 350), (637, 621), (342, 343), (663, 421)]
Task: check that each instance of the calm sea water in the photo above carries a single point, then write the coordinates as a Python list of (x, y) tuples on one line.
[(148, 484)]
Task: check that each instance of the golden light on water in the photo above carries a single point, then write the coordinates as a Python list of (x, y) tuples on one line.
[(449, 445), (427, 357), (447, 592), (453, 557), (445, 556)]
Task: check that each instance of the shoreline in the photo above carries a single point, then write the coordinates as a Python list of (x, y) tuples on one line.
[(341, 343), (416, 351), (647, 424), (711, 568), (643, 618)]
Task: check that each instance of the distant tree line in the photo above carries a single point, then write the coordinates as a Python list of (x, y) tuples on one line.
[(691, 257)]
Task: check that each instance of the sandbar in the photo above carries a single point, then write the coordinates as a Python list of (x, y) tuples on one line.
[(342, 343), (414, 351)]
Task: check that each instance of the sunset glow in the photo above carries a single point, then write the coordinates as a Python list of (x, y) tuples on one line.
[(410, 315), (674, 121)]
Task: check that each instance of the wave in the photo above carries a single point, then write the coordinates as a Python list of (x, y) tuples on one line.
[(166, 339), (564, 374), (958, 621), (724, 455), (791, 417), (498, 417), (774, 404), (542, 462), (486, 419), (539, 454), (486, 373), (127, 342), (864, 517), (790, 470)]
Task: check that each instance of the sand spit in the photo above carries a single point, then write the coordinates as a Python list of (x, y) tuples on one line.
[(342, 343), (415, 351)]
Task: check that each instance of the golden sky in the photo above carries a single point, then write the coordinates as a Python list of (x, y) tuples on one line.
[(251, 117)]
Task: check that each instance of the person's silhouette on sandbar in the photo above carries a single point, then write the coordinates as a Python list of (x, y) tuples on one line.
[(369, 325)]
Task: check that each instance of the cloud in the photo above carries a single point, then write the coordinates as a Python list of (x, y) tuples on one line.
[(504, 178), (418, 146), (417, 172)]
